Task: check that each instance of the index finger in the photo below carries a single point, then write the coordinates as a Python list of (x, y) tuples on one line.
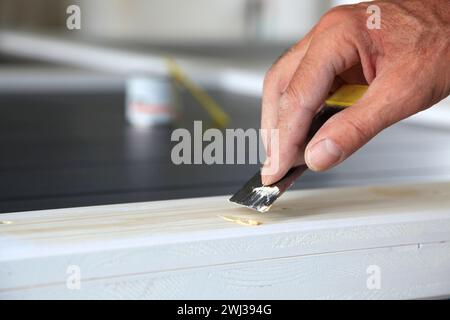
[(328, 55), (276, 82)]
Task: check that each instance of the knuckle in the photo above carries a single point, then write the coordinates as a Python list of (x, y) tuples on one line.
[(342, 15), (336, 14), (293, 101), (291, 98), (275, 80), (269, 77)]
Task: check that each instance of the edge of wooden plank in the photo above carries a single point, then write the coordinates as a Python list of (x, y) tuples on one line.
[(221, 243)]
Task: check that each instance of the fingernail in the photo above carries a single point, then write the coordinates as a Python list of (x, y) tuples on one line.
[(324, 154), (264, 170), (265, 180)]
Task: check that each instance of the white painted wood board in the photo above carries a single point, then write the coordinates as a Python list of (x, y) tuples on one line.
[(312, 244)]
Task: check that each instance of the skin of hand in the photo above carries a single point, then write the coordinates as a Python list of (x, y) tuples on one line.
[(406, 63)]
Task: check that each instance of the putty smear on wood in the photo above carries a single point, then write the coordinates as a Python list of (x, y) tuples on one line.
[(242, 221)]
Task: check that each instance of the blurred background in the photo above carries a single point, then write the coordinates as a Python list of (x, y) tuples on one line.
[(75, 125), (173, 21)]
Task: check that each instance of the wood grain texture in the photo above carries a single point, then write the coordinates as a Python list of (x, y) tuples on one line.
[(313, 244)]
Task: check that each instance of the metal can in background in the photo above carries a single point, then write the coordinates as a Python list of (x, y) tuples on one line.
[(149, 100)]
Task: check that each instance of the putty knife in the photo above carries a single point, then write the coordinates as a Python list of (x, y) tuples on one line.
[(255, 195)]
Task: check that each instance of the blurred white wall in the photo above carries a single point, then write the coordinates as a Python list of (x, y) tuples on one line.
[(201, 20), (341, 2), (174, 21), (290, 19), (163, 20)]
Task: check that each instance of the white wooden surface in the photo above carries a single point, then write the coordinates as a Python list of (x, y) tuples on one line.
[(313, 244)]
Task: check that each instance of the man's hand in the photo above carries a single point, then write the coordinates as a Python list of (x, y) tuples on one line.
[(406, 63)]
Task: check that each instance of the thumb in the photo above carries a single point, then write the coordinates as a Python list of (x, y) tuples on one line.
[(383, 104)]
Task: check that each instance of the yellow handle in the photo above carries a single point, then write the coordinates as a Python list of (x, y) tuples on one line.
[(346, 95)]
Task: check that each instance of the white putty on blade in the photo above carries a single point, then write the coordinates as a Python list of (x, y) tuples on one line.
[(265, 194), (255, 195)]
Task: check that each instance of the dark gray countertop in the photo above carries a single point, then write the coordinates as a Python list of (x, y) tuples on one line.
[(66, 150)]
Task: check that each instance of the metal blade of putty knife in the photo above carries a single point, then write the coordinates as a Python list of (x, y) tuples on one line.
[(259, 197)]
